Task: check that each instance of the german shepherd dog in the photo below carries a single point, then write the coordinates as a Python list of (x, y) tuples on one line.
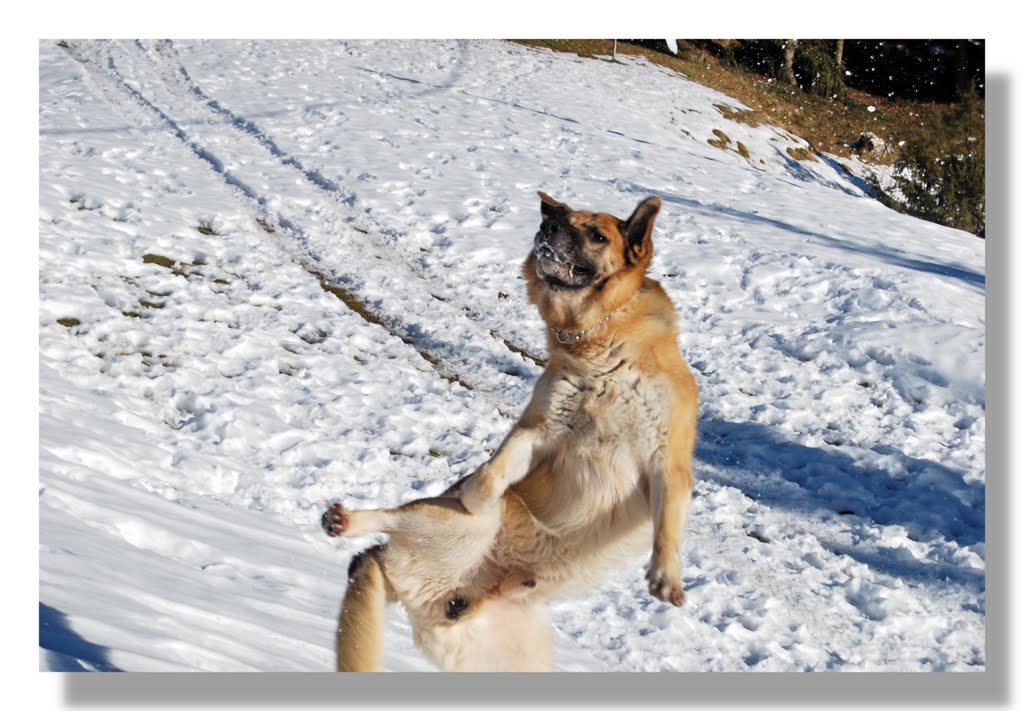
[(597, 468)]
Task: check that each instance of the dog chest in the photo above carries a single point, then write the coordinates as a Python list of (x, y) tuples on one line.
[(602, 434), (618, 410)]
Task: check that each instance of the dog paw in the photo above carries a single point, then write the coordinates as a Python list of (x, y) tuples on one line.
[(665, 588), (335, 520)]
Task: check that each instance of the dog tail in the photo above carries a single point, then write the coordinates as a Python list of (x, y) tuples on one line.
[(360, 641)]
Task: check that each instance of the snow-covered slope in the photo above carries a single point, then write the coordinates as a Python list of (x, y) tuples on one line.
[(272, 274)]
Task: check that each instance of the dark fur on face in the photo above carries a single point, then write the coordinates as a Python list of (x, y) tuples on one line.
[(567, 255)]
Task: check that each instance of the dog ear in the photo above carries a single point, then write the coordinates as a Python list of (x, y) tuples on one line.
[(549, 207), (637, 229)]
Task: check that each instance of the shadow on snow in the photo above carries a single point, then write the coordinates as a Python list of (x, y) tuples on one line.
[(72, 652), (891, 256), (926, 498)]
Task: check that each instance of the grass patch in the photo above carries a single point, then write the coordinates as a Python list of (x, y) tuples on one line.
[(204, 228), (801, 154), (159, 260), (265, 226), (179, 269), (69, 322), (721, 140), (742, 150), (746, 116), (579, 47)]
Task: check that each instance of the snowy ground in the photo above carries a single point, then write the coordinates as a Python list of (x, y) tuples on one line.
[(292, 270)]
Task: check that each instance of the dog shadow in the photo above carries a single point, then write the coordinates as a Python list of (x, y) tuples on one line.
[(885, 487)]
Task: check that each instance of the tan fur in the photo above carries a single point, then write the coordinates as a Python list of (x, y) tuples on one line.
[(597, 468), (359, 640)]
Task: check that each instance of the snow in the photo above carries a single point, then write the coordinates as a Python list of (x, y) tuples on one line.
[(213, 397)]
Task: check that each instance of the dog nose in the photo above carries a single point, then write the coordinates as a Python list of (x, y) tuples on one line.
[(542, 246)]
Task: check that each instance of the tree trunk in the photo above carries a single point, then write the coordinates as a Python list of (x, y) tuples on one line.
[(839, 53), (788, 55), (963, 70)]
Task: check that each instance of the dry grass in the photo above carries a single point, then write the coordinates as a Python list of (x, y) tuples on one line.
[(721, 140), (801, 154), (827, 125)]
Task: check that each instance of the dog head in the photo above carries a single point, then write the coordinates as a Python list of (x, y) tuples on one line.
[(585, 264)]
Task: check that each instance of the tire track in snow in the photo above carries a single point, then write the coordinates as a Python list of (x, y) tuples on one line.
[(443, 342), (165, 56)]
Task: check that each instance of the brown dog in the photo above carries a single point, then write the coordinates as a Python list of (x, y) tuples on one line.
[(602, 452)]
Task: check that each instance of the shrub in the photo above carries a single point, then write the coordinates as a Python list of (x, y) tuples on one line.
[(816, 70), (941, 173)]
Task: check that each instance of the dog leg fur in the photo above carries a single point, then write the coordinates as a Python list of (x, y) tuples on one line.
[(508, 465), (437, 552), (671, 488), (360, 637)]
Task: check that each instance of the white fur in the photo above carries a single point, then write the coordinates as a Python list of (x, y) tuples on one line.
[(502, 635)]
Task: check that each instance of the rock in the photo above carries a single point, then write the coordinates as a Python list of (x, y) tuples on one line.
[(872, 145)]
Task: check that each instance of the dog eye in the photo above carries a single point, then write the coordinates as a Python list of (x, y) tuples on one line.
[(598, 237)]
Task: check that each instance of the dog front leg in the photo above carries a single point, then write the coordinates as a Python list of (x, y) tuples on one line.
[(508, 465), (671, 485)]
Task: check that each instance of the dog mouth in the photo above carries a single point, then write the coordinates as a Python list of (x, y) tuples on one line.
[(559, 272)]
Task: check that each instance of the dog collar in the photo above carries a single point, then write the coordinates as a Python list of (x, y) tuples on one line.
[(565, 337)]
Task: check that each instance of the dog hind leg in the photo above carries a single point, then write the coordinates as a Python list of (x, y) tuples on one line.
[(432, 539), (359, 643), (340, 521), (436, 547)]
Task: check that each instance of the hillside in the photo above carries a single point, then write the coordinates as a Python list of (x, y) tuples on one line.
[(274, 274)]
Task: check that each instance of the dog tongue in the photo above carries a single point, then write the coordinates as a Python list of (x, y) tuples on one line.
[(563, 270)]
